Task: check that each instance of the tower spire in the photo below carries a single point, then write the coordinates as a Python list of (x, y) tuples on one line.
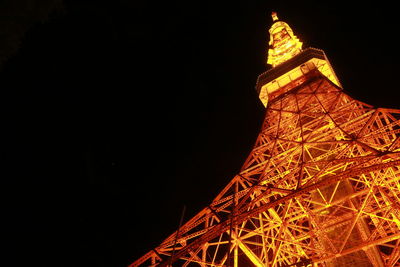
[(291, 65), (283, 44), (274, 16)]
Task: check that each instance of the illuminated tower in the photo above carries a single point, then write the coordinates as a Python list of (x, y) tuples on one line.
[(319, 188)]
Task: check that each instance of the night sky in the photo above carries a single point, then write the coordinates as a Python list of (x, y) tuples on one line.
[(116, 114)]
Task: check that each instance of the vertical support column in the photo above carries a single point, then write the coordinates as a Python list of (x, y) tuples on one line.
[(235, 203)]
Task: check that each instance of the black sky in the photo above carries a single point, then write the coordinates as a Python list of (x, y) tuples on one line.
[(118, 113)]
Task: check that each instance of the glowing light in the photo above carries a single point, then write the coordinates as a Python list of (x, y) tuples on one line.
[(326, 169), (274, 16), (283, 46), (310, 60), (283, 43)]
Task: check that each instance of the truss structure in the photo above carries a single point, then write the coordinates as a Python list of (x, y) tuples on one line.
[(320, 187)]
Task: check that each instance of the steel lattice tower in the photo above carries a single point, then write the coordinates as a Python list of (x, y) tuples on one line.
[(319, 188)]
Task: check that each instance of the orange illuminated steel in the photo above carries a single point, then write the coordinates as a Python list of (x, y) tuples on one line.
[(319, 188)]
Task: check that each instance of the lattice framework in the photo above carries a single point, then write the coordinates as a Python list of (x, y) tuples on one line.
[(321, 186)]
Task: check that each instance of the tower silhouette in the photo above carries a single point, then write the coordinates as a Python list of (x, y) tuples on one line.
[(320, 186)]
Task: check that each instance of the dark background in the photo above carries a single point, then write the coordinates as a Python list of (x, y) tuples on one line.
[(116, 114)]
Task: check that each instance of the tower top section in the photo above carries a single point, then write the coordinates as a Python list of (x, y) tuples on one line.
[(291, 65), (283, 44)]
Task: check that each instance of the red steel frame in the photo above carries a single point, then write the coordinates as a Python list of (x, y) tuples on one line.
[(319, 188)]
